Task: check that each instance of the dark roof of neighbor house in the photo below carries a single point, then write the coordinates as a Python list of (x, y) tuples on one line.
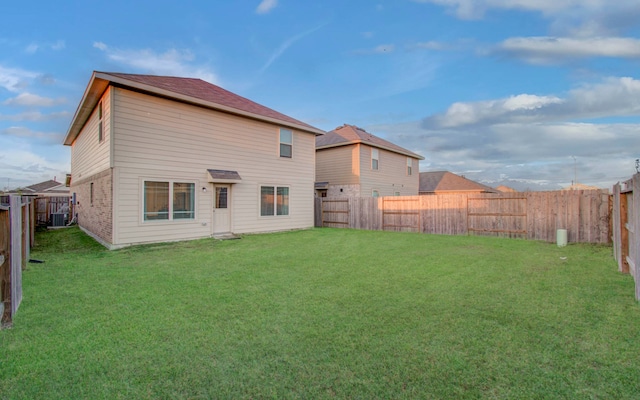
[(431, 182), (350, 134), (189, 90), (50, 186)]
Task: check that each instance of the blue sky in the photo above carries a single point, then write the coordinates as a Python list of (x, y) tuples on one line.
[(527, 93)]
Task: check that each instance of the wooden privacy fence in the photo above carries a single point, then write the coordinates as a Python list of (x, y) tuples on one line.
[(52, 210), (17, 221), (626, 228), (531, 215)]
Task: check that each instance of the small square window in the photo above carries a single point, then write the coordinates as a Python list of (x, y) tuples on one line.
[(375, 193)]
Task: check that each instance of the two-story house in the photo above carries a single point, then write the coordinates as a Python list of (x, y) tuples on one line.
[(156, 158), (351, 162)]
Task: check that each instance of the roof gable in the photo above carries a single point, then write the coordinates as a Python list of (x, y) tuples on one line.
[(189, 90), (431, 182), (350, 134)]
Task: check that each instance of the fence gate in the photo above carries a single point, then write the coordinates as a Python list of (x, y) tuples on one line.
[(335, 213), (499, 216), (400, 214)]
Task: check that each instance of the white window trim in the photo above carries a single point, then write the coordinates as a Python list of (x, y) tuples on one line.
[(281, 143), (377, 158), (275, 202), (409, 166), (171, 221)]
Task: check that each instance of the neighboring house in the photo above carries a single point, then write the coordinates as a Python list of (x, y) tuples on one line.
[(445, 182), (43, 189), (156, 158), (580, 186), (351, 162), (506, 189)]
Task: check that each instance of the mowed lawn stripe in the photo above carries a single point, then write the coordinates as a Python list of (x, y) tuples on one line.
[(322, 313)]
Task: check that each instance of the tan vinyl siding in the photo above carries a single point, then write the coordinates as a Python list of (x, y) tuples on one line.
[(391, 176), (88, 155), (160, 139), (338, 165)]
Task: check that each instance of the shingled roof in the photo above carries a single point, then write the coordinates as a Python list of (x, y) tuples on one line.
[(445, 181), (50, 186), (350, 134), (188, 90)]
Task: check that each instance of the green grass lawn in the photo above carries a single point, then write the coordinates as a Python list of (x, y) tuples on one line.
[(323, 313)]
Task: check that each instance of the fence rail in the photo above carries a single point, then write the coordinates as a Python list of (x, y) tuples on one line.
[(17, 222), (626, 228), (585, 214)]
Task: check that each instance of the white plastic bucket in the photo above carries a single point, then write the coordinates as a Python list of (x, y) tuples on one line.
[(561, 237)]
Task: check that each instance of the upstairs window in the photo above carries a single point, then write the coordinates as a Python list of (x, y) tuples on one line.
[(100, 135), (286, 143), (374, 159), (409, 165)]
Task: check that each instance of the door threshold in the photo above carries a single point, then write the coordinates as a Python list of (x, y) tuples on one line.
[(225, 236)]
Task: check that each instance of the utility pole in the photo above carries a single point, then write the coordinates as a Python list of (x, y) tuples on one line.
[(575, 171)]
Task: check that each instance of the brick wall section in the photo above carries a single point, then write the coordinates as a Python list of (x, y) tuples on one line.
[(347, 191), (96, 217)]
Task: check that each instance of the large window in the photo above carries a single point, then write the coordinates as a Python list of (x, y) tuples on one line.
[(183, 200), (374, 159), (274, 200), (168, 200), (286, 143)]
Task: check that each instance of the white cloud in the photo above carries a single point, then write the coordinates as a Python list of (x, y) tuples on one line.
[(380, 49), (15, 79), (471, 9), (100, 45), (22, 167), (527, 141), (59, 45), (611, 97), (172, 62), (384, 48), (23, 132), (34, 116), (285, 45), (32, 48), (266, 6), (569, 17), (548, 50), (32, 100)]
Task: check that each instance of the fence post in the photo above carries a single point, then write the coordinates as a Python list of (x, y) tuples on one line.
[(635, 223), (15, 204)]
